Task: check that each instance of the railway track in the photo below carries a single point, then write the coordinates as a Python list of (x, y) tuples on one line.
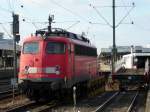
[(32, 106), (119, 102), (115, 102), (8, 94), (4, 81), (130, 108)]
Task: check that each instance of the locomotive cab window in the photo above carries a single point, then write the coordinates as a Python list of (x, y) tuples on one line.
[(55, 48), (31, 48)]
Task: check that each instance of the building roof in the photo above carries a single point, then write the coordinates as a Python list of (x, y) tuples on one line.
[(137, 54), (7, 44), (126, 49)]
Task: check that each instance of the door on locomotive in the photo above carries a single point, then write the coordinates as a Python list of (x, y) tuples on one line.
[(55, 57)]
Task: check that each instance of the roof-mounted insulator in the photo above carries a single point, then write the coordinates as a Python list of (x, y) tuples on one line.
[(50, 19)]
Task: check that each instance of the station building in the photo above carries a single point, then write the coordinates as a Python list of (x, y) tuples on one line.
[(6, 51), (123, 50), (105, 56)]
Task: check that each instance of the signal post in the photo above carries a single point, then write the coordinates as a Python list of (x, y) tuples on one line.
[(16, 38)]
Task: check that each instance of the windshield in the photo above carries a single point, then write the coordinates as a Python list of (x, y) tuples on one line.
[(32, 47), (55, 48)]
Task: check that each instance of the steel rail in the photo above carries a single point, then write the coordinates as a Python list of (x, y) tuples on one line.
[(32, 106), (44, 107), (133, 102), (101, 107), (20, 107), (7, 94)]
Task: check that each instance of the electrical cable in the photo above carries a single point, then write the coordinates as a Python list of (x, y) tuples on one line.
[(6, 10), (126, 9), (9, 3), (73, 13), (100, 15), (73, 25), (124, 17), (98, 23), (34, 24), (142, 27), (2, 26)]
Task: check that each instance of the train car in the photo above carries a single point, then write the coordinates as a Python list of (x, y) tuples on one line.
[(54, 61), (135, 71)]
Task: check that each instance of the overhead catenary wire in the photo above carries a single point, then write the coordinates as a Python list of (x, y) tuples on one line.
[(141, 27), (35, 2), (127, 9), (46, 22), (9, 4), (30, 21), (14, 4), (65, 21), (40, 22), (61, 6), (89, 31), (27, 18), (5, 30), (103, 6), (111, 6), (6, 10), (73, 25), (100, 15), (97, 23), (70, 11), (124, 17), (34, 23)]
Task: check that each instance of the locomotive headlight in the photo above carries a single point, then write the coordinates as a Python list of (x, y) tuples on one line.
[(57, 70), (20, 81), (26, 68)]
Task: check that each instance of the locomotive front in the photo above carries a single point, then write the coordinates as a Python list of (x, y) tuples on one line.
[(42, 66)]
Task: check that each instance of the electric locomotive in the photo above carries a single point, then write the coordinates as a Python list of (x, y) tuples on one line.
[(54, 61)]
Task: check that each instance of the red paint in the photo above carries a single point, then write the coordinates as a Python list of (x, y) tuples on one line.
[(70, 64)]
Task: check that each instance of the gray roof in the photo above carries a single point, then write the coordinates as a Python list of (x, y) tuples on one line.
[(125, 49), (7, 44)]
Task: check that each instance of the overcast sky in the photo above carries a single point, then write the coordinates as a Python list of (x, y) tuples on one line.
[(75, 15)]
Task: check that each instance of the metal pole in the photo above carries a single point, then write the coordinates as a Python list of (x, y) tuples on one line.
[(114, 40), (15, 60)]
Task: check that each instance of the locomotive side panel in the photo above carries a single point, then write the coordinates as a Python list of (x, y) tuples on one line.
[(85, 62), (85, 67)]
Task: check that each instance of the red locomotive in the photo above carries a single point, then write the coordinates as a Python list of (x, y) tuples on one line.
[(56, 60)]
